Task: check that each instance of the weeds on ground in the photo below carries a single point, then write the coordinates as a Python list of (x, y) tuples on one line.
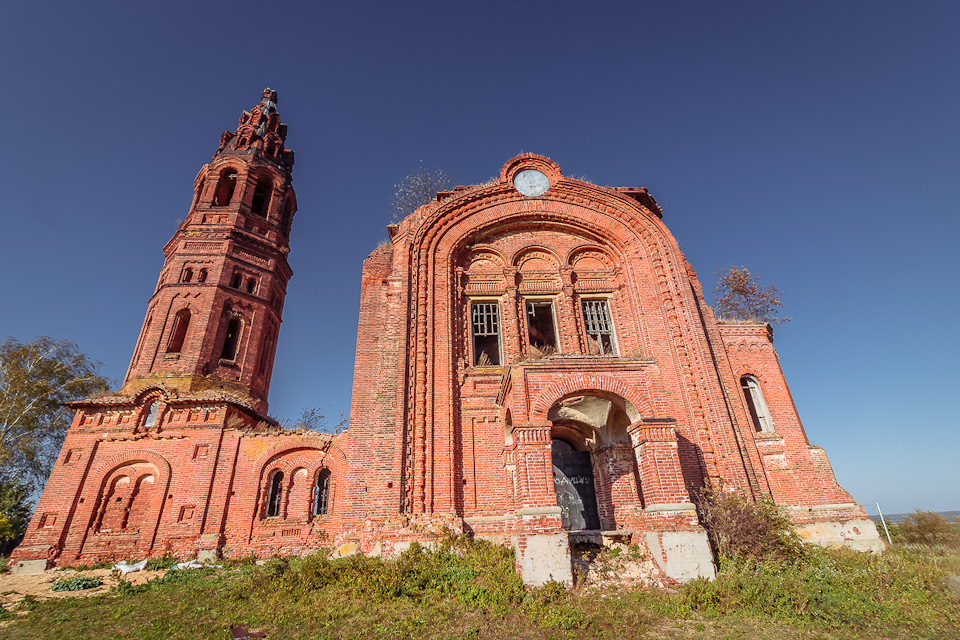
[(76, 584), (833, 589)]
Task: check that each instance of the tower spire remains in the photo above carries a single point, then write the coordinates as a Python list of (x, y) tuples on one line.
[(213, 321)]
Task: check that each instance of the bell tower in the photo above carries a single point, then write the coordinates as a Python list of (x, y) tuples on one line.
[(213, 321)]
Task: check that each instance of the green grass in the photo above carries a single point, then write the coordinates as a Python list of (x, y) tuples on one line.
[(466, 589)]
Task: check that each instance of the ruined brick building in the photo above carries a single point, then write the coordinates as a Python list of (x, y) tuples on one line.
[(535, 363)]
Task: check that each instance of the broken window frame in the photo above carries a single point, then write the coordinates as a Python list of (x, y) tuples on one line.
[(531, 304), (262, 195), (321, 492), (598, 326), (757, 408), (231, 339), (484, 327), (274, 494)]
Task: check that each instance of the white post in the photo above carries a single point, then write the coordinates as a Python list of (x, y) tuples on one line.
[(884, 525)]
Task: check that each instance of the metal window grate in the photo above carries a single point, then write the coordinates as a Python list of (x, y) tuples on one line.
[(486, 319), (596, 317)]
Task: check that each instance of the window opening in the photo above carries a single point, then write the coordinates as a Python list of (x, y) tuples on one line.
[(225, 188), (181, 322), (596, 319), (276, 494), (237, 281), (202, 276), (321, 498), (251, 285), (229, 351), (152, 412), (261, 199), (187, 275), (265, 352), (759, 414), (541, 331), (287, 217), (486, 334), (197, 196)]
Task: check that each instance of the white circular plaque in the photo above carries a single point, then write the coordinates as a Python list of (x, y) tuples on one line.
[(531, 182)]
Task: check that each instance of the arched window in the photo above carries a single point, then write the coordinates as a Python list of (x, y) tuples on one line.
[(321, 493), (181, 322), (276, 494), (265, 352), (261, 198), (199, 193), (231, 340), (226, 185), (287, 217), (187, 275), (202, 275), (152, 412), (757, 406), (251, 285)]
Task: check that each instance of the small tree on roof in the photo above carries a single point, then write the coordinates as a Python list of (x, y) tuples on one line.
[(739, 297), (418, 188)]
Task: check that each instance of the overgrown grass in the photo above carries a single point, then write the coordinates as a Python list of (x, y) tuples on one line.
[(839, 590), (468, 589)]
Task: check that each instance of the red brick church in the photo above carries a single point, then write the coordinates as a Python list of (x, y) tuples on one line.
[(535, 365)]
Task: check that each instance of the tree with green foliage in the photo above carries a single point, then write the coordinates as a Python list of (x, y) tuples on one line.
[(739, 297), (36, 379), (417, 189), (930, 528), (14, 512)]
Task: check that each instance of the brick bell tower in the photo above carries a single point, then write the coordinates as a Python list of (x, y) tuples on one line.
[(213, 320)]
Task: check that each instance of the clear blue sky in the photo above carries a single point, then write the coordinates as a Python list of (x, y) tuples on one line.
[(813, 142)]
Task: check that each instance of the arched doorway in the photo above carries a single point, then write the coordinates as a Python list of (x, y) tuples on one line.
[(574, 485), (590, 427)]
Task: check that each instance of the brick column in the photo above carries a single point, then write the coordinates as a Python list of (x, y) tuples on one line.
[(534, 466), (616, 481), (661, 480)]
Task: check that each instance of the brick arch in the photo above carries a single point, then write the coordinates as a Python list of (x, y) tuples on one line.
[(102, 471), (585, 383)]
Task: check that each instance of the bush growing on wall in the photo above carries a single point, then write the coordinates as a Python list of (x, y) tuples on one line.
[(742, 528)]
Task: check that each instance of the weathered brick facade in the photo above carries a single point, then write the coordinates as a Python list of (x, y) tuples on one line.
[(535, 361)]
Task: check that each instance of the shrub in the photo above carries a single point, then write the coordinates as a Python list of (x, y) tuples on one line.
[(741, 528), (76, 584), (929, 528)]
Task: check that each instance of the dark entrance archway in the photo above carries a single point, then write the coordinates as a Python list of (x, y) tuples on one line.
[(573, 482)]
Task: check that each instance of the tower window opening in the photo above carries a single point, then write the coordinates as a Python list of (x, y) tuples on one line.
[(202, 275), (251, 285), (321, 495), (230, 341), (187, 275), (276, 494), (486, 334), (265, 352), (541, 331), (756, 405), (181, 322), (287, 218), (226, 185), (261, 199), (237, 281), (199, 193), (596, 320)]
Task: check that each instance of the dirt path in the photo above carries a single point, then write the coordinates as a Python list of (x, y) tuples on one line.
[(13, 587)]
